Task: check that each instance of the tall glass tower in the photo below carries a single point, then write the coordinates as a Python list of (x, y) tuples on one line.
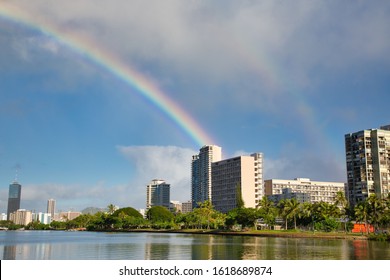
[(14, 194)]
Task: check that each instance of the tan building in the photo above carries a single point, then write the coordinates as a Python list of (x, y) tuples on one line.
[(51, 207), (176, 206), (21, 217), (67, 216), (186, 207), (318, 191), (234, 177), (368, 163)]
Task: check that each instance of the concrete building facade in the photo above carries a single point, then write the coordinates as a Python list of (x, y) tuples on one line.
[(317, 190), (235, 177), (158, 194), (201, 173), (368, 163), (51, 207), (186, 207), (288, 193), (21, 217)]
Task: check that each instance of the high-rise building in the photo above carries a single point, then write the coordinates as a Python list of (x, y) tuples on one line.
[(14, 195), (317, 190), (259, 182), (201, 173), (158, 194), (368, 163), (234, 182), (51, 207)]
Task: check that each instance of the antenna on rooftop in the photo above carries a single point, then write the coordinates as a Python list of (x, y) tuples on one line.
[(17, 168)]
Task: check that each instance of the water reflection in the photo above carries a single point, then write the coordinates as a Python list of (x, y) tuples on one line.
[(162, 246)]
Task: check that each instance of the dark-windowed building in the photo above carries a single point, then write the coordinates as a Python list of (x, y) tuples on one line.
[(14, 194)]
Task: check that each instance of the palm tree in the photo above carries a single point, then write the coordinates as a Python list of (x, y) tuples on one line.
[(294, 208), (283, 210), (327, 210), (111, 208), (342, 203), (361, 213), (267, 210), (289, 208), (376, 209), (307, 211)]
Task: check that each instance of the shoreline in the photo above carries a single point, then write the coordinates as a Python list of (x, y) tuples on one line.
[(258, 233)]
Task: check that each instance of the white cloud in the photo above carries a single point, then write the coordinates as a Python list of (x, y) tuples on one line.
[(169, 163), (200, 37), (315, 167), (261, 51)]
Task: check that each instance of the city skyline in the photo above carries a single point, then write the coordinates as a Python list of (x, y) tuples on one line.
[(97, 100)]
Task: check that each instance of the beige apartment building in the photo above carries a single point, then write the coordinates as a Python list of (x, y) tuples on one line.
[(21, 217), (318, 191), (368, 163), (236, 176), (66, 216), (186, 207)]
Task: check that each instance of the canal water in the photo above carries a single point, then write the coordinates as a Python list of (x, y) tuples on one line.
[(67, 245)]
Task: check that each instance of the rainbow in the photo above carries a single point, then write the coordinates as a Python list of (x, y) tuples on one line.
[(86, 48)]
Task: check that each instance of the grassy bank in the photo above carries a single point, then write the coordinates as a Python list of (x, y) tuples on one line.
[(265, 233)]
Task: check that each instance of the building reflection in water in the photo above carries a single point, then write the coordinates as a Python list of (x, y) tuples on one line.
[(9, 253), (163, 246), (40, 251), (271, 248)]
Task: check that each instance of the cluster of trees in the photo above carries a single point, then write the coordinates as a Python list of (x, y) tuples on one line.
[(320, 216)]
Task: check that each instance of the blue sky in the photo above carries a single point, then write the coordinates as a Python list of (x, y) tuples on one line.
[(286, 78)]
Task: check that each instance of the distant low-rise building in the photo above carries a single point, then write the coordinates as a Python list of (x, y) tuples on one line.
[(67, 216), (317, 190), (287, 193), (3, 217), (176, 206), (43, 218), (186, 207), (158, 194)]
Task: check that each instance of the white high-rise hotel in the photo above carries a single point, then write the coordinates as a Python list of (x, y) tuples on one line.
[(217, 180), (234, 177)]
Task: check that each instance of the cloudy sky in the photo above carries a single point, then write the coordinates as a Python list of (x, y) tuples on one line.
[(286, 78)]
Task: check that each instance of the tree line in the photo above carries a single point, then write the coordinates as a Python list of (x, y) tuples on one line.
[(288, 213)]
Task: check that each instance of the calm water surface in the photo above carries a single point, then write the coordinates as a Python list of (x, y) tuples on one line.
[(63, 245)]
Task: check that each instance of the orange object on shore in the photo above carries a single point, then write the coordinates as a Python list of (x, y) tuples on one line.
[(362, 228)]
